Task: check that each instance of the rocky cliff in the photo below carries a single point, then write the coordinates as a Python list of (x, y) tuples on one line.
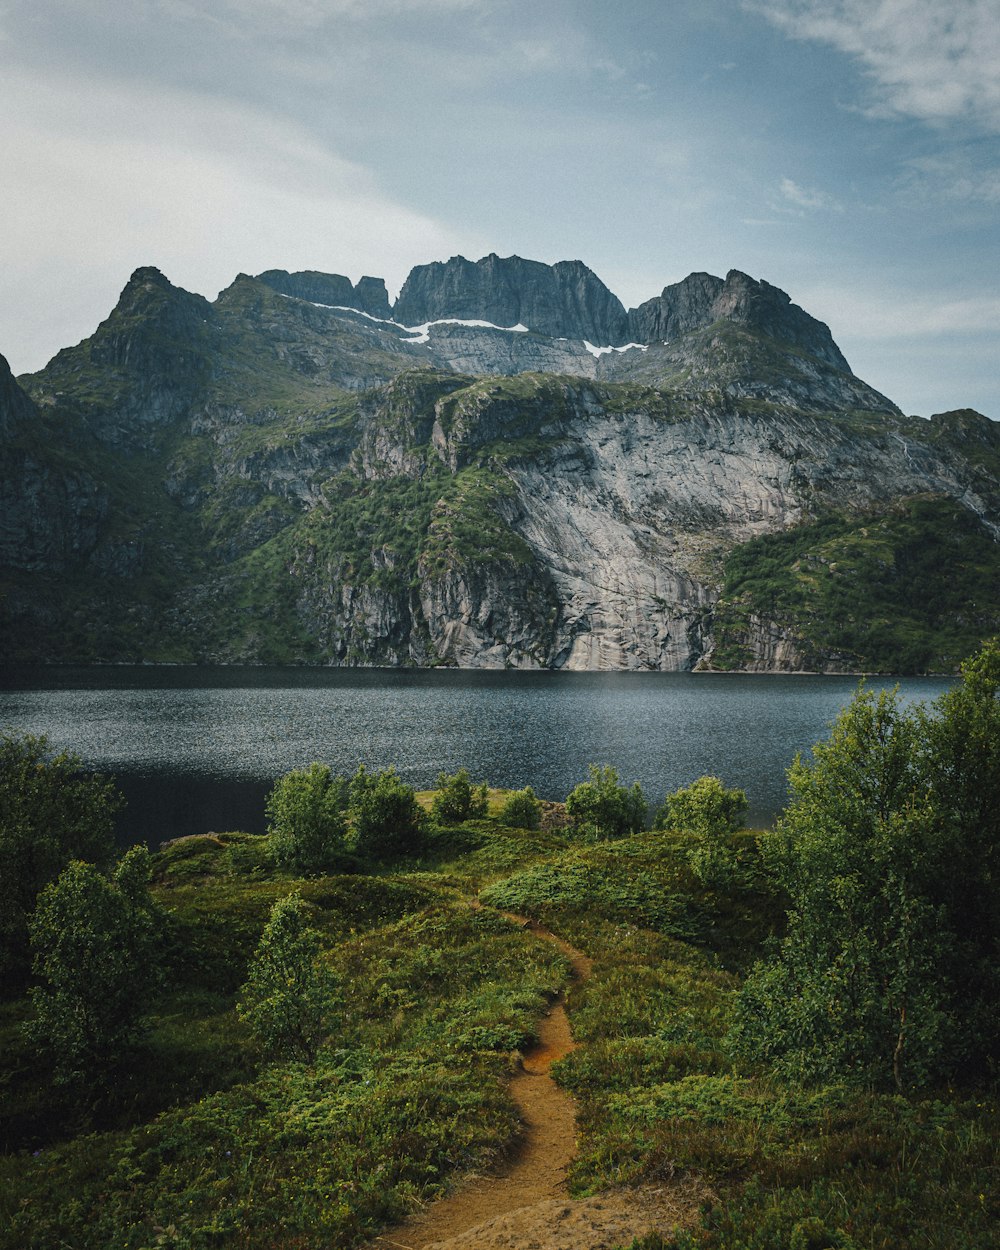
[(565, 300), (368, 295), (701, 300), (278, 477)]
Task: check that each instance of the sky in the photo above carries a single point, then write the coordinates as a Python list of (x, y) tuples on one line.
[(847, 151)]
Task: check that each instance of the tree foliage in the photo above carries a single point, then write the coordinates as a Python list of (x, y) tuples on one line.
[(307, 819), (386, 817), (457, 799), (93, 943), (521, 810), (602, 808), (710, 814), (50, 813), (290, 996), (888, 853), (704, 807)]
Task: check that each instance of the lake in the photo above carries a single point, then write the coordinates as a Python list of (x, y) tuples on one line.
[(196, 749)]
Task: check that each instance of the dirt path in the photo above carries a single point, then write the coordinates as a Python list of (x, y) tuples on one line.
[(526, 1206)]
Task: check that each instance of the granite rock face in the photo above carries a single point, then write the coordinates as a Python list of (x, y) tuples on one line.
[(369, 295), (565, 300), (702, 299)]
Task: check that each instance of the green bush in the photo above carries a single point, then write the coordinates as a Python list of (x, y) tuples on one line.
[(712, 814), (386, 817), (50, 813), (601, 808), (93, 954), (521, 810), (290, 994), (705, 807), (307, 819), (457, 799), (888, 853)]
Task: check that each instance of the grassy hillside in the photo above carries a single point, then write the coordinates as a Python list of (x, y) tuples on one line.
[(203, 1144)]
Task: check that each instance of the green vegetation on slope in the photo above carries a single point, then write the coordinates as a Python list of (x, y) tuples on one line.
[(912, 590)]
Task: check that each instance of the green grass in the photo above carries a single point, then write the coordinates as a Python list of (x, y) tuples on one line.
[(203, 1147)]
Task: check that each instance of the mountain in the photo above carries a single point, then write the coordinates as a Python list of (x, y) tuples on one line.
[(504, 468)]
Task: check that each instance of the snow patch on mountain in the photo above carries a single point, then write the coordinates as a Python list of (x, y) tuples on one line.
[(597, 352)]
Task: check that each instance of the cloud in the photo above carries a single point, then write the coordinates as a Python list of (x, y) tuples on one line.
[(954, 175), (201, 188), (807, 197), (883, 316), (930, 59)]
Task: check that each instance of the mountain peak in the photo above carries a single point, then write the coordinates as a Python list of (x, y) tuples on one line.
[(701, 299), (367, 296), (14, 404), (565, 300), (148, 274)]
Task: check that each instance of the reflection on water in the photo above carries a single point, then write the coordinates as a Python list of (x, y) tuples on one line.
[(196, 749)]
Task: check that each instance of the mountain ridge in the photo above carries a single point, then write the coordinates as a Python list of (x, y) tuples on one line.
[(267, 478), (564, 300)]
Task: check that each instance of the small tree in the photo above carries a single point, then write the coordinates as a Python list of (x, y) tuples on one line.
[(711, 814), (704, 807), (93, 943), (457, 799), (387, 819), (291, 994), (50, 813), (857, 987), (601, 808), (521, 810), (307, 819)]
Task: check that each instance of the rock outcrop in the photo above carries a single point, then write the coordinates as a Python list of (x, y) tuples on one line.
[(701, 299), (15, 406), (369, 295), (565, 300)]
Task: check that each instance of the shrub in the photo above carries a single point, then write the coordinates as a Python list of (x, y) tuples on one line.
[(386, 816), (93, 943), (307, 819), (712, 814), (889, 967), (705, 807), (50, 813), (458, 799), (601, 808), (290, 994), (521, 810)]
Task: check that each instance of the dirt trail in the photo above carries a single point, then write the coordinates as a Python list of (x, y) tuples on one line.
[(526, 1206)]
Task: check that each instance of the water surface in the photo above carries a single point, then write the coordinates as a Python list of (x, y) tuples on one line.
[(195, 749)]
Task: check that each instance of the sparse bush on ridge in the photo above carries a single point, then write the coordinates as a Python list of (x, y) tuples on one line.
[(457, 799), (521, 810), (602, 808)]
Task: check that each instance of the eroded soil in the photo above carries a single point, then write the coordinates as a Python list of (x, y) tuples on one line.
[(526, 1206)]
